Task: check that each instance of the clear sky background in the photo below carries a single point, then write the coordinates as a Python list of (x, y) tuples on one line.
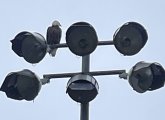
[(116, 99)]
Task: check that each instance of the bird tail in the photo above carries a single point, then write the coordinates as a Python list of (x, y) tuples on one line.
[(51, 51)]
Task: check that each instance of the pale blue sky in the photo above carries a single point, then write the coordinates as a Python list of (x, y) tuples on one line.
[(116, 99)]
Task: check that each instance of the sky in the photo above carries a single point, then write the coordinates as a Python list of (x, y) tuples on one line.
[(116, 99)]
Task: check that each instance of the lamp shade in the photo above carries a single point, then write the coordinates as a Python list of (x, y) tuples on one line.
[(146, 76), (31, 46), (81, 38), (82, 88), (21, 85), (130, 38)]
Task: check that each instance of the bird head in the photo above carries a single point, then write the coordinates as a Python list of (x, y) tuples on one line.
[(56, 23)]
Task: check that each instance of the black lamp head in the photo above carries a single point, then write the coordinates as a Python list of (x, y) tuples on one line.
[(81, 38), (21, 85), (130, 38), (31, 46), (146, 76), (82, 88)]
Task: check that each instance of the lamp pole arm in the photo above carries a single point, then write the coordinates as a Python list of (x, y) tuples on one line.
[(64, 45), (93, 73)]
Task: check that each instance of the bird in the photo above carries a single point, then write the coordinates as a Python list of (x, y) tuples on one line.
[(53, 37)]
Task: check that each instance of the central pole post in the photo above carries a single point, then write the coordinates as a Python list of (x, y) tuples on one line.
[(85, 63), (84, 111), (84, 114)]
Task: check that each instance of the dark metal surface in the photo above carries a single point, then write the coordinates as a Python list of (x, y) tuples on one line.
[(85, 63), (21, 85), (81, 38), (106, 42), (84, 115), (130, 38), (93, 73), (64, 45), (82, 88), (84, 111), (146, 77), (34, 48)]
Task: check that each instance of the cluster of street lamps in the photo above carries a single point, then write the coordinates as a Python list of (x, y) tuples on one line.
[(82, 40)]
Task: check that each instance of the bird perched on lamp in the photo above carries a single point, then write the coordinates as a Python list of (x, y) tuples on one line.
[(53, 37)]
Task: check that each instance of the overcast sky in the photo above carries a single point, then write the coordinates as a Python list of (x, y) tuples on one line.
[(116, 99)]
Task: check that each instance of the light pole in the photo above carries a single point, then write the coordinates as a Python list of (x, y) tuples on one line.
[(85, 106), (82, 87)]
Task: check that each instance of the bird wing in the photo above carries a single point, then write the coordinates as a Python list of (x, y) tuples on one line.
[(53, 35)]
